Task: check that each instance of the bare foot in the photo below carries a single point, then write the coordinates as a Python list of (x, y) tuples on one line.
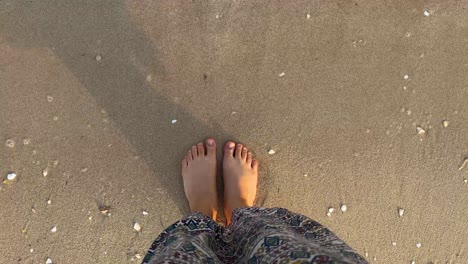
[(199, 175), (240, 173)]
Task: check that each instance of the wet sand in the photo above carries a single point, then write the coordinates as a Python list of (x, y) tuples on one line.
[(107, 96)]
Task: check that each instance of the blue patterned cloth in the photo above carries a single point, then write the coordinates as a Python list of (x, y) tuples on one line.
[(256, 235)]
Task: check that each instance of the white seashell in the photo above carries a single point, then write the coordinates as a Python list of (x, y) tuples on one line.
[(401, 211), (445, 123), (45, 172), (53, 230), (328, 214), (11, 176), (406, 77), (308, 16), (344, 208), (426, 13), (271, 151), (144, 212), (10, 143), (331, 210), (174, 121), (420, 131), (393, 243), (281, 74), (137, 227), (418, 245), (48, 261)]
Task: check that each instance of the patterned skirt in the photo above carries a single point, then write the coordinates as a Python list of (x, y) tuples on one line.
[(256, 235)]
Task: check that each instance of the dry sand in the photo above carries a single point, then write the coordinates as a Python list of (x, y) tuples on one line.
[(89, 89)]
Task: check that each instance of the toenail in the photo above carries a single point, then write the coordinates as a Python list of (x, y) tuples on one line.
[(231, 145), (210, 142)]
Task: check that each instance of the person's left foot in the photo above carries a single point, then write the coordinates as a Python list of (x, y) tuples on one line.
[(199, 175)]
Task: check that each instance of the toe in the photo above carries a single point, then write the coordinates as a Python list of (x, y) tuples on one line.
[(244, 153), (238, 153), (210, 147), (189, 156), (194, 152), (249, 157), (229, 149), (201, 149), (255, 164), (184, 163)]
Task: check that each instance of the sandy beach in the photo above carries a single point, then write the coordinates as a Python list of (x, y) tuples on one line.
[(355, 103)]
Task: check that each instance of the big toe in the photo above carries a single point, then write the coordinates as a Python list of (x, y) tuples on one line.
[(210, 147), (229, 149)]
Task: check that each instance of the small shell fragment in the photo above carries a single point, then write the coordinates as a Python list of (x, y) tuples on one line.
[(174, 121), (328, 214), (420, 131), (144, 212), (426, 13), (418, 245), (401, 211), (11, 176), (308, 16), (137, 227), (406, 77), (48, 261), (445, 123), (49, 202), (281, 74), (344, 208), (331, 210), (104, 209), (53, 229), (45, 172), (465, 162), (10, 143), (271, 151), (98, 57), (393, 243), (50, 98), (413, 262)]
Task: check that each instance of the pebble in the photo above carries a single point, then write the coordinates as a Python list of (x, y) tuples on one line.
[(98, 57), (137, 227), (344, 208), (45, 172), (11, 176), (420, 131), (445, 123), (174, 121), (48, 261), (271, 151), (401, 211), (10, 143), (53, 229), (406, 77), (426, 13), (281, 74), (418, 245), (50, 98), (144, 212)]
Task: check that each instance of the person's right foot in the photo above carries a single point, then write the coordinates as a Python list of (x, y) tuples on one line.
[(240, 173)]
